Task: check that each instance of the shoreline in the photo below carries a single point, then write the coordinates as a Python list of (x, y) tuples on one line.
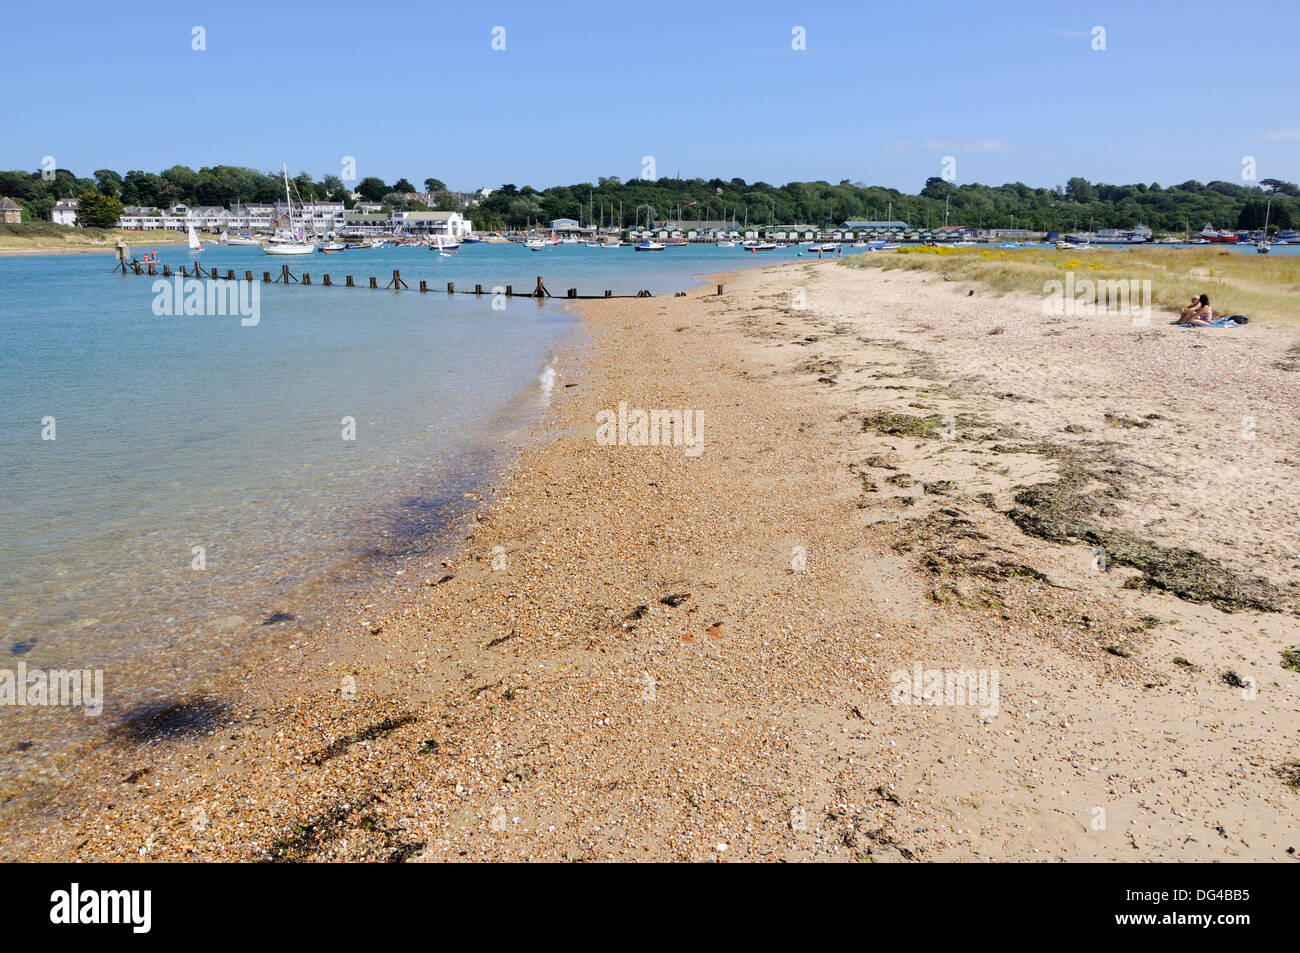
[(691, 657), (406, 529), (109, 249)]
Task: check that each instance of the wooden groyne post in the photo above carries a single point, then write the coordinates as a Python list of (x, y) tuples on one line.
[(540, 291)]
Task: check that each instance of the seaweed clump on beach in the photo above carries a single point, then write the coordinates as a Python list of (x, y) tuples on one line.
[(187, 717), (967, 568), (934, 426), (1063, 511)]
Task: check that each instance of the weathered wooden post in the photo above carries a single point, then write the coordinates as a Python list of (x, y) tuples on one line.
[(248, 276), (306, 278), (478, 289), (326, 281), (374, 282), (510, 291), (349, 283), (266, 276), (451, 288), (230, 274), (167, 271), (397, 284), (424, 285), (608, 293), (719, 291)]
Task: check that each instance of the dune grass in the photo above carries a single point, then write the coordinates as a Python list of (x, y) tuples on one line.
[(46, 236), (1257, 286)]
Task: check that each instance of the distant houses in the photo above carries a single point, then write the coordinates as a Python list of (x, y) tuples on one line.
[(367, 218), (433, 224), (571, 228), (432, 199), (874, 227), (11, 213), (65, 212)]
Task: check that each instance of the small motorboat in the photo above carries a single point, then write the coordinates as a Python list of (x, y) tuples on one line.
[(651, 246), (759, 246), (536, 244), (330, 248), (726, 244), (243, 240)]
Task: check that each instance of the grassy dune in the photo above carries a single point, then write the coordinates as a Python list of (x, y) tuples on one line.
[(1258, 286), (48, 237)]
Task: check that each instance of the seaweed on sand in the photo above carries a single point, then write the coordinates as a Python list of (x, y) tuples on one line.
[(1064, 511), (934, 426)]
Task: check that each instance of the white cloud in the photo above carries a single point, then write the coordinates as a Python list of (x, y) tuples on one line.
[(1282, 135)]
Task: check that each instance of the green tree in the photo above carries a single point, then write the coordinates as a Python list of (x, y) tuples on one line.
[(98, 211), (372, 189), (434, 185), (108, 182)]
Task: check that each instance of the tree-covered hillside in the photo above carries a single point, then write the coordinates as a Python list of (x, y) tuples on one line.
[(1076, 205)]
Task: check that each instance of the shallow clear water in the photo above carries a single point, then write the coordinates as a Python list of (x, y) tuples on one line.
[(175, 432)]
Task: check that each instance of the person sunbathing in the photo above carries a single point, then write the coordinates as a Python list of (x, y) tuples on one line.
[(1189, 310), (1202, 316)]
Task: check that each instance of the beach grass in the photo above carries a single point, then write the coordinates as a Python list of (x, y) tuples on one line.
[(1257, 286), (46, 236)]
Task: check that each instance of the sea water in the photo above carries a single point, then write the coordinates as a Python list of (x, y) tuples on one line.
[(171, 484)]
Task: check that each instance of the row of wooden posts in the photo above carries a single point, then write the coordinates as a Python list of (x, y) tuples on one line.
[(397, 284)]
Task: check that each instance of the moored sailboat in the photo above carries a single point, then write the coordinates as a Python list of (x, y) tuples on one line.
[(293, 243)]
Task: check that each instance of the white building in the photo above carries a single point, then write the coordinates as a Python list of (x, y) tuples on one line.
[(65, 212), (314, 217), (440, 224)]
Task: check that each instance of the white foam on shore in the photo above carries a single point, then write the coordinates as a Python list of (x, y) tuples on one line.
[(547, 380)]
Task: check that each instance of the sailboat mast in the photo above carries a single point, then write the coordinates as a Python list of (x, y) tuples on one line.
[(287, 200)]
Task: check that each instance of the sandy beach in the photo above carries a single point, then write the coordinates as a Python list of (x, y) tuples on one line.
[(107, 248), (647, 653)]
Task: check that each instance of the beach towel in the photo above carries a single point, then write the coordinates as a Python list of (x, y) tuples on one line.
[(1232, 321)]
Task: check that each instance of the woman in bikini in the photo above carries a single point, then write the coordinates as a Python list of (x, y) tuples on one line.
[(1201, 317)]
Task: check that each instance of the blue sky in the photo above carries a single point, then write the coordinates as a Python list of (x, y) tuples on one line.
[(883, 91)]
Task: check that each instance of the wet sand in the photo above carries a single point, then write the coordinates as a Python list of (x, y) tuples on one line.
[(642, 653)]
